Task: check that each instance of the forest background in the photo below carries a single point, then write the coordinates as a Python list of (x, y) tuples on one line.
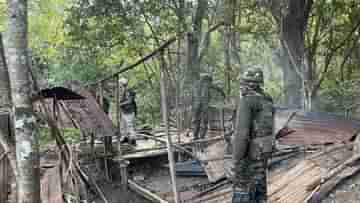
[(308, 49)]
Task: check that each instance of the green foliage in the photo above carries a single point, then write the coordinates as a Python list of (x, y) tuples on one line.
[(342, 97), (86, 40), (71, 135)]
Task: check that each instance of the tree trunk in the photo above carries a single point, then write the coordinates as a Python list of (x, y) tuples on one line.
[(193, 49), (194, 39), (293, 42), (229, 18), (5, 105), (28, 180), (292, 83), (5, 97)]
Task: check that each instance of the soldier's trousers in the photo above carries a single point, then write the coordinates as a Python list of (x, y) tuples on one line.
[(249, 183), (128, 120), (200, 120)]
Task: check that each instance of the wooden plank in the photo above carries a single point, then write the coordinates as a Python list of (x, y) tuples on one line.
[(2, 180), (4, 164), (328, 186), (51, 186), (145, 192), (213, 166)]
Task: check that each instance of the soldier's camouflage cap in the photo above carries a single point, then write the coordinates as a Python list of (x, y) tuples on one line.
[(254, 75), (123, 81)]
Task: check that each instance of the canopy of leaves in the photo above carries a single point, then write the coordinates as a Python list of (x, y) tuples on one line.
[(87, 39)]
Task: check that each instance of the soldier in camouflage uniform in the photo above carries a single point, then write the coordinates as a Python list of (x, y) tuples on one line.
[(200, 106), (129, 111), (252, 140)]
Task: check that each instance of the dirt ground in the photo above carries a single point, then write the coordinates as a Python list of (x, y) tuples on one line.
[(153, 173), (115, 194)]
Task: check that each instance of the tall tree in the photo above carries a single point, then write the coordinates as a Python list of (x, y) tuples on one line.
[(293, 26), (313, 36), (28, 181), (5, 100), (5, 105), (229, 39), (194, 40), (292, 17)]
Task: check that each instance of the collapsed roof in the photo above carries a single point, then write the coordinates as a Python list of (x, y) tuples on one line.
[(297, 127)]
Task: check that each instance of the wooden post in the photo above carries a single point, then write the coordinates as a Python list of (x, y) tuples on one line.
[(118, 116), (222, 119), (106, 139), (123, 172), (107, 175), (92, 144), (55, 115), (101, 95), (165, 120)]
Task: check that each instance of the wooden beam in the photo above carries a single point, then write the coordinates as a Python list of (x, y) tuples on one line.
[(145, 192), (319, 180), (174, 145), (165, 120), (328, 186), (140, 61)]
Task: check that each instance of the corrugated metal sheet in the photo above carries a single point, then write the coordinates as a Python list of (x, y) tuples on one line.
[(90, 116), (51, 191), (311, 128), (290, 185), (303, 128), (189, 168), (213, 162), (60, 93), (220, 195)]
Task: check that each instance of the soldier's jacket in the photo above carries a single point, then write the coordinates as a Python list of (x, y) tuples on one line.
[(253, 137), (128, 103)]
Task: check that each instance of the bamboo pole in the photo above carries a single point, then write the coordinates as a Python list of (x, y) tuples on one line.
[(165, 120)]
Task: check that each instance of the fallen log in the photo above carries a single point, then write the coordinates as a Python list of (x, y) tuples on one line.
[(319, 180), (328, 186)]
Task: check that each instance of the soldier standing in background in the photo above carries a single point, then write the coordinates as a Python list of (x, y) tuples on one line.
[(200, 106), (252, 140), (128, 112)]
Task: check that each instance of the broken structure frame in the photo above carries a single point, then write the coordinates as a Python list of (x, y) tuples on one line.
[(170, 146)]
